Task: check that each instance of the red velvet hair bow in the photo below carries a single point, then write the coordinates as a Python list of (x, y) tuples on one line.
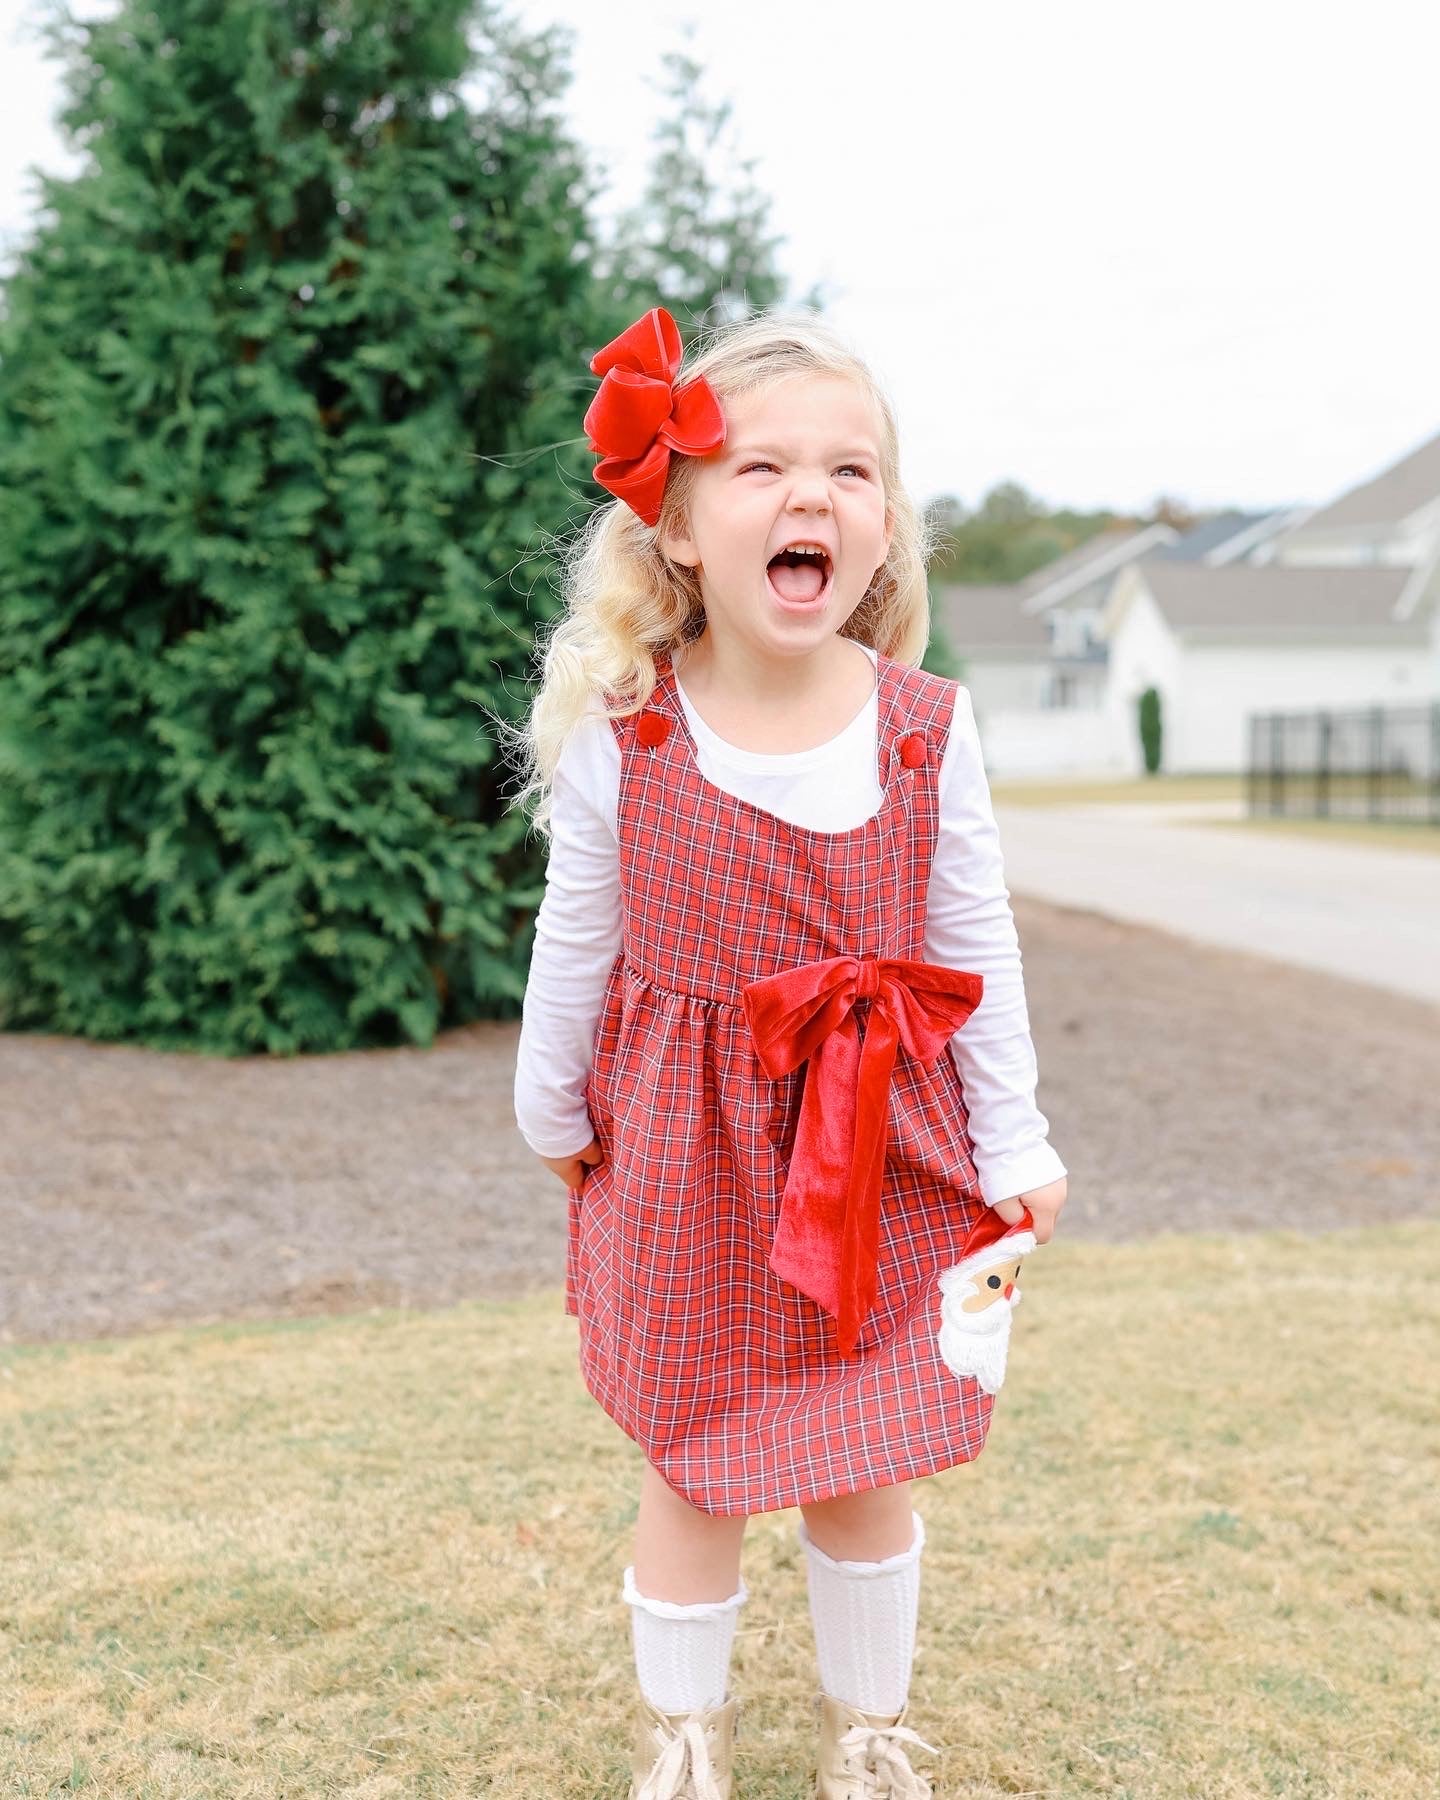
[(828, 1234), (639, 416)]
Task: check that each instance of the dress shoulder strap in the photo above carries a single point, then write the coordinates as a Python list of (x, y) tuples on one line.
[(922, 702)]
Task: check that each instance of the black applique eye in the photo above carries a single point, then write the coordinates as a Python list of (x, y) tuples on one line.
[(992, 1281)]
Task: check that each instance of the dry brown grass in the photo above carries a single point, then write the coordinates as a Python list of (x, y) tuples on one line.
[(380, 1555), (1380, 834), (1152, 790), (1418, 834)]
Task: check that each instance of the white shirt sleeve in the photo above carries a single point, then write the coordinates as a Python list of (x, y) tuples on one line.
[(969, 925), (578, 932)]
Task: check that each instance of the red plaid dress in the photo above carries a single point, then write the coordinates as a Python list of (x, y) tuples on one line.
[(728, 1377)]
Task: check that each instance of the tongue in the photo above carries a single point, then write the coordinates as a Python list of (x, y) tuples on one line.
[(799, 582)]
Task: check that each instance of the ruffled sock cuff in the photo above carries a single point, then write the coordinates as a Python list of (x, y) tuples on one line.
[(671, 1609), (900, 1560)]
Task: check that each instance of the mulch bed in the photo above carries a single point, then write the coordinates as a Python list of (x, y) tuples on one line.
[(1187, 1089)]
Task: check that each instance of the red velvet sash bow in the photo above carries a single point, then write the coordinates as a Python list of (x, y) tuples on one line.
[(639, 415), (827, 1237)]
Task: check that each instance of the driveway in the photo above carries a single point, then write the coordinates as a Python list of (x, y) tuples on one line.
[(1187, 1089), (1369, 915)]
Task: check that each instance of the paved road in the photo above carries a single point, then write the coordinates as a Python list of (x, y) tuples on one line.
[(1371, 915)]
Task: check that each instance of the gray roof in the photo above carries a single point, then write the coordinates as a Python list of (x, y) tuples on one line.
[(1388, 497), (983, 620), (1208, 535), (1092, 550), (1249, 600)]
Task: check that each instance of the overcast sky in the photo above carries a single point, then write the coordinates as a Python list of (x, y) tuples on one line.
[(1107, 251)]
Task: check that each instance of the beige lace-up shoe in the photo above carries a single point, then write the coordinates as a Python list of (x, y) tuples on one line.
[(862, 1755), (684, 1756)]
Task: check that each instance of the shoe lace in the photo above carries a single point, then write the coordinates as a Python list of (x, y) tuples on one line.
[(687, 1753), (873, 1754)]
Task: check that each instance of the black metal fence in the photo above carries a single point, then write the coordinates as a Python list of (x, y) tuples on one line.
[(1374, 762)]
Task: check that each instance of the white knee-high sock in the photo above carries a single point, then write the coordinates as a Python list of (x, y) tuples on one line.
[(682, 1653), (864, 1616)]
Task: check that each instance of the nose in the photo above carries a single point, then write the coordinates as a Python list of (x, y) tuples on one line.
[(1009, 1289), (808, 490)]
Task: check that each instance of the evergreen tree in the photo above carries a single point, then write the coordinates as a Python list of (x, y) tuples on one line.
[(695, 237), (1148, 719), (255, 582)]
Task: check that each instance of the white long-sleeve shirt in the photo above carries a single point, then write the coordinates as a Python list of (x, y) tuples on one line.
[(832, 787)]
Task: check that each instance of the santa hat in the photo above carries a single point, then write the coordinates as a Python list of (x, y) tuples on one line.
[(992, 1241)]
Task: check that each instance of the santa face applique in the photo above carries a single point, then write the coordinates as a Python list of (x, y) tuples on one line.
[(977, 1297)]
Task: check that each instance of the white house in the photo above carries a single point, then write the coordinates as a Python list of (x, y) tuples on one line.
[(1393, 519), (1260, 639), (1289, 610), (1033, 659)]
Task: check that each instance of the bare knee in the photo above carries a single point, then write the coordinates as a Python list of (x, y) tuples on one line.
[(862, 1527), (681, 1553)]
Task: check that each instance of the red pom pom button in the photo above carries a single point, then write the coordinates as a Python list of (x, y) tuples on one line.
[(652, 728), (913, 750)]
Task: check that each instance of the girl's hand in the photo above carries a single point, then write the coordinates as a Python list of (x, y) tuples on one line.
[(571, 1169), (1044, 1203)]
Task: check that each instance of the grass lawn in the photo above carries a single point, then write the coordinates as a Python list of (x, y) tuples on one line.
[(1391, 835), (380, 1555), (1152, 790)]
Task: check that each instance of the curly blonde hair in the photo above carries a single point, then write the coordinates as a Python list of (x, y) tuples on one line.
[(628, 605)]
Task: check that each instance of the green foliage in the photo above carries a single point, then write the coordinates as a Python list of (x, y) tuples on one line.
[(695, 237), (1008, 537), (272, 377), (940, 656), (254, 580), (1150, 728)]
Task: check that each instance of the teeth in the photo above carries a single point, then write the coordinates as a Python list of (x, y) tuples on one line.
[(805, 550)]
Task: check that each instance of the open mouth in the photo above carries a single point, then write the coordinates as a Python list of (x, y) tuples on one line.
[(800, 578)]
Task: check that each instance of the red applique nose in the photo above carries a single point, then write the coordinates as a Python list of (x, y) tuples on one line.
[(652, 728), (913, 750)]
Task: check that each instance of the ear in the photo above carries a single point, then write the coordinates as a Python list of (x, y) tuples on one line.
[(680, 548)]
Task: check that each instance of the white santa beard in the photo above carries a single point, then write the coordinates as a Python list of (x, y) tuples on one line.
[(975, 1343)]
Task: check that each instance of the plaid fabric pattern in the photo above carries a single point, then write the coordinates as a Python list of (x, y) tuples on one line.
[(727, 1376)]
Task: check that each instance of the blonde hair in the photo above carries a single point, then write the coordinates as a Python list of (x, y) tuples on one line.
[(628, 605)]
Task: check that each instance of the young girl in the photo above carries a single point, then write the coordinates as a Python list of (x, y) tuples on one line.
[(775, 1039)]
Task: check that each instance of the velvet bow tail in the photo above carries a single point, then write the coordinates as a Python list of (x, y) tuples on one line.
[(827, 1237)]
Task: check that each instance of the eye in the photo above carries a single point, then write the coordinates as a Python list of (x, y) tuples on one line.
[(857, 467)]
